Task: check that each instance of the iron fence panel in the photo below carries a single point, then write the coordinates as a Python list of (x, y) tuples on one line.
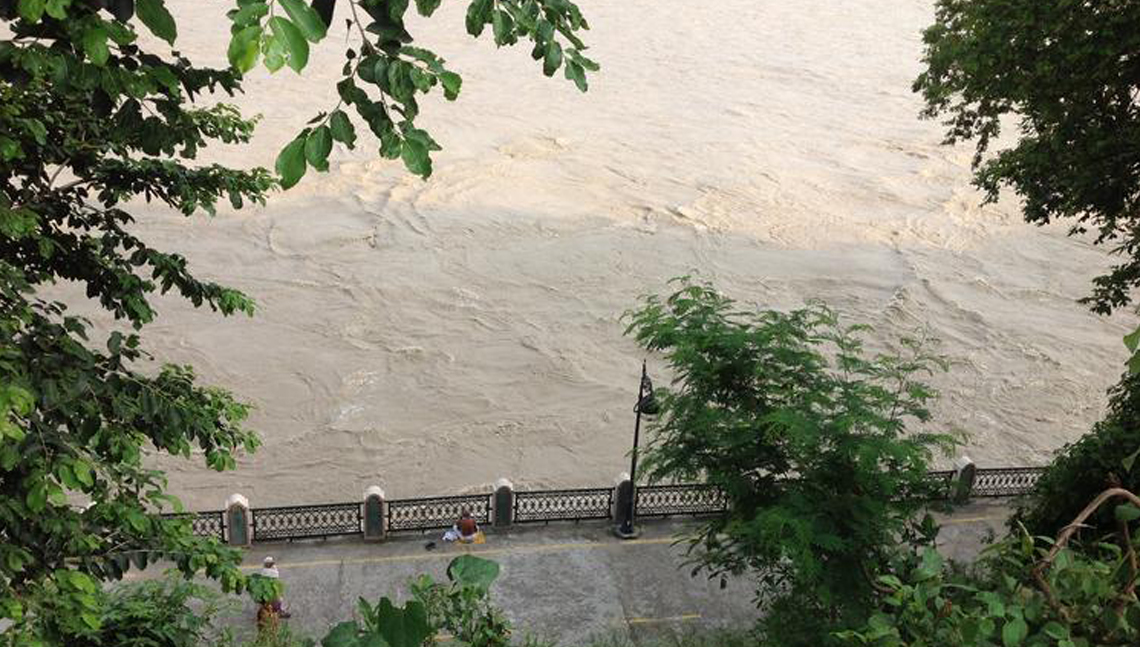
[(943, 480), (436, 512), (668, 500), (1005, 481), (560, 505), (306, 521), (211, 523)]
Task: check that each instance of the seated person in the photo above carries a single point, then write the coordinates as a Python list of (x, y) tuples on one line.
[(468, 529), (465, 530)]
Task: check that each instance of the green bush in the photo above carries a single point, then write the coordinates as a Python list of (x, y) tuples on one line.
[(1084, 599), (1100, 459), (462, 607), (815, 441), (171, 612)]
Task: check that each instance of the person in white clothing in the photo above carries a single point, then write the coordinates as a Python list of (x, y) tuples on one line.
[(269, 569)]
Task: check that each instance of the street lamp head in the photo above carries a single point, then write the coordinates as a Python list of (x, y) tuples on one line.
[(648, 405)]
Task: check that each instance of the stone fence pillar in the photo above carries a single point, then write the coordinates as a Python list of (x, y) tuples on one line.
[(503, 504), (239, 521), (375, 514), (964, 473)]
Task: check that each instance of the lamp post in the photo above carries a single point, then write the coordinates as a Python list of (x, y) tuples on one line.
[(648, 405)]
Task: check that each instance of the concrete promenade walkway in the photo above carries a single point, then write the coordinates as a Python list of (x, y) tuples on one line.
[(563, 581)]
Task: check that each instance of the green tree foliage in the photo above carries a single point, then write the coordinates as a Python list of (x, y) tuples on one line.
[(811, 438), (1067, 72), (384, 75), (170, 612), (1082, 599), (1103, 458), (90, 119)]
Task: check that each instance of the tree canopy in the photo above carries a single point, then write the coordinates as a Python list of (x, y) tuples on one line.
[(1067, 74), (816, 443), (91, 119)]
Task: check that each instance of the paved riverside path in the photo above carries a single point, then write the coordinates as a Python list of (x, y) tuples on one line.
[(563, 582)]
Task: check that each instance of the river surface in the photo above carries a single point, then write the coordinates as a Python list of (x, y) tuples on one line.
[(431, 337)]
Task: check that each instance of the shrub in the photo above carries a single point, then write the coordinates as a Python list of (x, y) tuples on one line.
[(171, 612), (1102, 458), (1084, 598), (462, 607)]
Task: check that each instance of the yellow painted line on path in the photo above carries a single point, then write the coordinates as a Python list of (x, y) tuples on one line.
[(645, 621), (950, 522), (524, 549)]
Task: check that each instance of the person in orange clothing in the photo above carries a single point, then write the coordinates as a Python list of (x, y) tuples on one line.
[(467, 527)]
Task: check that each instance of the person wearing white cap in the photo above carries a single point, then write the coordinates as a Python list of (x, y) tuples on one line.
[(269, 568)]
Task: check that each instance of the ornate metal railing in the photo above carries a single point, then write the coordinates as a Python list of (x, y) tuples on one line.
[(211, 523), (563, 505), (436, 512), (309, 521), (305, 521), (668, 500), (943, 481), (1005, 481)]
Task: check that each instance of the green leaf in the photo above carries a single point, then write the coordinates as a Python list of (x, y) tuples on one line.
[(36, 498), (391, 146), (399, 80), (1013, 633), (157, 19), (452, 82), (32, 10), (420, 79), (318, 145), (249, 14), (1055, 630), (274, 50), (397, 9), (244, 47), (1132, 340), (553, 59), (55, 495), (502, 27), (342, 635), (1129, 460), (1127, 512), (583, 61), (67, 476), (57, 8), (427, 7), (83, 473), (407, 627), (478, 14), (290, 164), (468, 570), (342, 129), (296, 47), (95, 45), (416, 158), (1134, 364), (308, 22), (931, 565), (575, 73)]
